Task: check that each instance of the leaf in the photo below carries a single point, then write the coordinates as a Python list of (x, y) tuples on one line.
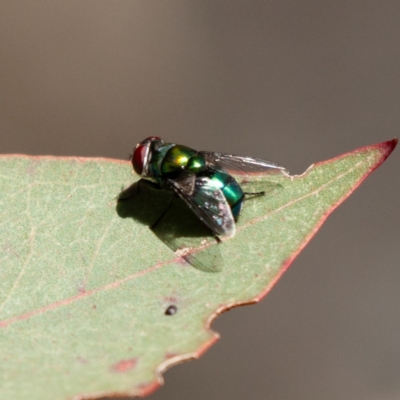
[(94, 303)]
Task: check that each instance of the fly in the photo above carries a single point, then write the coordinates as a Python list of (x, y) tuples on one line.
[(201, 179)]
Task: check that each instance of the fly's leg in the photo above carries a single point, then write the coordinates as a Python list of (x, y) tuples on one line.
[(217, 239), (254, 194)]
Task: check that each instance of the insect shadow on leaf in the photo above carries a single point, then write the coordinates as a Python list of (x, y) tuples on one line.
[(172, 222), (175, 224)]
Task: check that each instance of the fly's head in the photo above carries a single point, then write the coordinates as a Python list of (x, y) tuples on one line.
[(142, 154)]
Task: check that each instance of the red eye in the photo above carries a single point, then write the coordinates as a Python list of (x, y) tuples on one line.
[(138, 158), (141, 154)]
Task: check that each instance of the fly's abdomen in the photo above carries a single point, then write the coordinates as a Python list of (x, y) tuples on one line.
[(179, 158), (231, 189)]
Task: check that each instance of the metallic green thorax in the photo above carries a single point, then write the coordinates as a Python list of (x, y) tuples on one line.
[(180, 158), (169, 160)]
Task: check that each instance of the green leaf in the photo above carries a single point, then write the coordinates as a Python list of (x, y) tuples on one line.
[(85, 285)]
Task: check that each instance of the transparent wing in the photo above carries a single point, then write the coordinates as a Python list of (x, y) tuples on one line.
[(232, 163), (206, 201)]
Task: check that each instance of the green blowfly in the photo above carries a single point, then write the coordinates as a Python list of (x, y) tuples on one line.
[(201, 179)]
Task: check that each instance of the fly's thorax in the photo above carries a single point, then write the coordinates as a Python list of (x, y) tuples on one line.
[(179, 158)]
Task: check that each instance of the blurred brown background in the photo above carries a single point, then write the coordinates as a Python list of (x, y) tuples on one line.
[(291, 81)]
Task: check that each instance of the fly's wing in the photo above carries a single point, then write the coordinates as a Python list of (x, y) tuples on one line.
[(238, 164), (206, 201)]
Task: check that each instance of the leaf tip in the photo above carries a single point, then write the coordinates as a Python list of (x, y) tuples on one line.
[(387, 147)]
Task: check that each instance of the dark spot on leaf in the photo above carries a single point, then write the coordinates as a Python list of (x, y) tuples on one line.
[(124, 365), (171, 310), (94, 306)]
